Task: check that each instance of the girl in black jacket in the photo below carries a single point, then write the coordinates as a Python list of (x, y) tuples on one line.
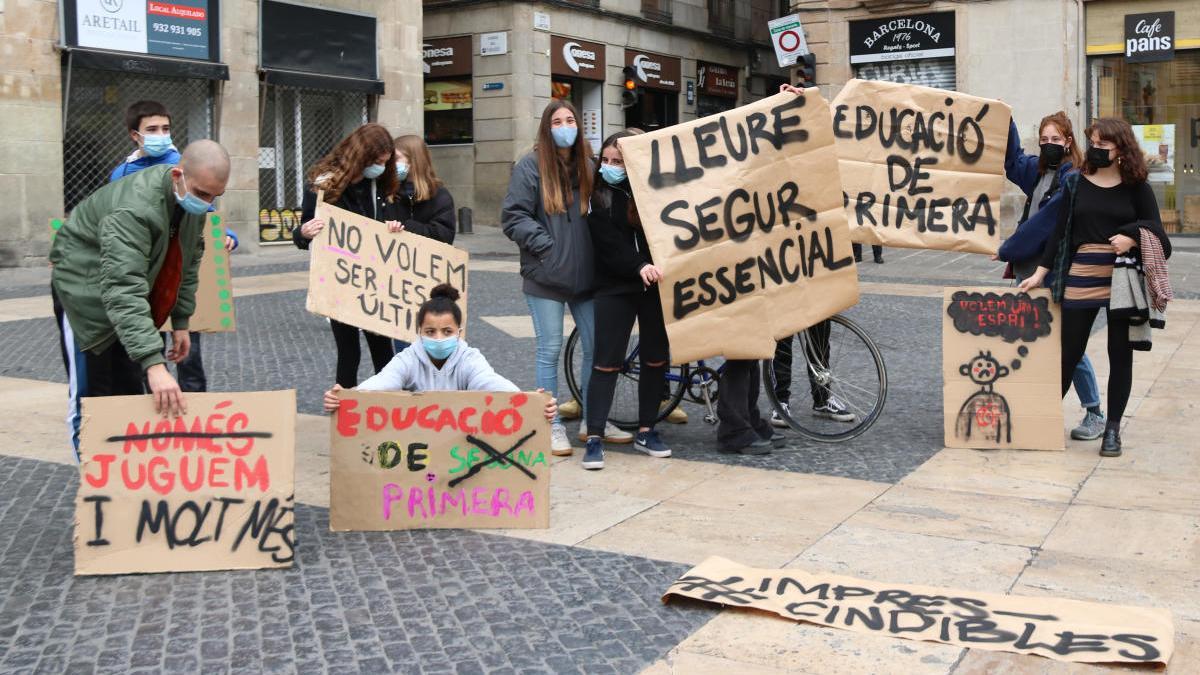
[(626, 290), (358, 175)]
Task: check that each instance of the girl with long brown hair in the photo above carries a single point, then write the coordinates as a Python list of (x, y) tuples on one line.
[(423, 205), (545, 213), (358, 175), (1105, 209)]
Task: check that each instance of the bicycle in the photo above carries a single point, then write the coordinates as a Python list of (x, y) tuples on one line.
[(855, 375)]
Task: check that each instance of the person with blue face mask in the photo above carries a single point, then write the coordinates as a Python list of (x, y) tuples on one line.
[(545, 214), (440, 361), (358, 175)]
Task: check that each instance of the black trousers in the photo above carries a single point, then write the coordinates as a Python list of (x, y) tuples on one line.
[(615, 315), (876, 251), (818, 346), (349, 351), (737, 406), (190, 371), (1076, 329)]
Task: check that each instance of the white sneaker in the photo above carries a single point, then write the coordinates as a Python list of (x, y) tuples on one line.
[(612, 434), (777, 419), (560, 445)]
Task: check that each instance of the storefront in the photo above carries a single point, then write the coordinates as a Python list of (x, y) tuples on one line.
[(717, 88), (658, 86), (913, 49), (115, 54), (577, 75), (448, 100), (1144, 67), (307, 101)]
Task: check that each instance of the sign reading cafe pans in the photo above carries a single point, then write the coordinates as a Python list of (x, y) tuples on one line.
[(574, 58)]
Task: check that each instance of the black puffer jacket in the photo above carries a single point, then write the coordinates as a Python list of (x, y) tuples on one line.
[(356, 199), (433, 218), (619, 246)]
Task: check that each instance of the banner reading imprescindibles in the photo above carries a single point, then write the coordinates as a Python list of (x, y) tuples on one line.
[(444, 459), (743, 212), (921, 167), (365, 276), (1064, 630), (210, 490)]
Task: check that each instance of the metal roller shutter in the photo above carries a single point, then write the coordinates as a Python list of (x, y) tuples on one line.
[(937, 73)]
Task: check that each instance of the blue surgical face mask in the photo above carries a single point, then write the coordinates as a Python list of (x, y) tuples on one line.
[(156, 145), (374, 171), (401, 170), (440, 349), (612, 174), (564, 136), (190, 202)]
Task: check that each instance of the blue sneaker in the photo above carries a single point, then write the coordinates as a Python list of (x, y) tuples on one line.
[(593, 456), (650, 443)]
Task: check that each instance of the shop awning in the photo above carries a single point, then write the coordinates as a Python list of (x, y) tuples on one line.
[(305, 46), (143, 64)]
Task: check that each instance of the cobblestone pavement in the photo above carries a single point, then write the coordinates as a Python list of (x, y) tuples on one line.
[(419, 601)]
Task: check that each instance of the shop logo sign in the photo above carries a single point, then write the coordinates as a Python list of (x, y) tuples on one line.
[(1149, 37), (572, 51), (112, 6), (642, 63)]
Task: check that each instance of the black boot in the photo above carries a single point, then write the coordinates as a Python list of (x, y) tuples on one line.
[(1111, 446)]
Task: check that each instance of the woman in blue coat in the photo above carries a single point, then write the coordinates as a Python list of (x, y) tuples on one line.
[(1040, 177)]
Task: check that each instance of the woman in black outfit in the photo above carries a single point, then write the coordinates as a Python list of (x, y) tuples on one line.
[(1103, 212), (625, 291), (358, 175)]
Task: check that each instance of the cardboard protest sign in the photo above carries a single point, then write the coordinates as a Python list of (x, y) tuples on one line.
[(743, 213), (921, 167), (1001, 358), (365, 276), (211, 490), (1063, 630), (443, 459)]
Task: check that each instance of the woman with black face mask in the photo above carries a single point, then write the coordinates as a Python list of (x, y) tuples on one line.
[(1040, 177), (1108, 211)]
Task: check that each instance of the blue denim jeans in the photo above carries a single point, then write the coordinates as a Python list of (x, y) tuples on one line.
[(1086, 386), (548, 326)]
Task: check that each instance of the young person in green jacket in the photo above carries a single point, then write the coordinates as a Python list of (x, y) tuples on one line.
[(127, 260)]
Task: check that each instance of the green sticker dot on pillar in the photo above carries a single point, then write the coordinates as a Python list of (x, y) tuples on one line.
[(223, 294), (226, 322), (226, 307)]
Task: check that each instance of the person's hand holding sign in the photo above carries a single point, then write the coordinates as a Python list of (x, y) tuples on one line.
[(312, 228), (651, 274), (168, 398), (1034, 281), (791, 89), (394, 226), (181, 345)]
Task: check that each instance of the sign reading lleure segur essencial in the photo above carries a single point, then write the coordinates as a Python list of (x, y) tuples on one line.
[(921, 167), (743, 212)]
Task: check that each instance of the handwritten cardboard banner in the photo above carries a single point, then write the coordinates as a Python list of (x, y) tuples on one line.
[(921, 167), (743, 212), (211, 490), (445, 459), (1063, 630), (365, 276), (1001, 357)]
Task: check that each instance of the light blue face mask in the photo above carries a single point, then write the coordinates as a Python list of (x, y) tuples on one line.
[(156, 145), (564, 136), (613, 175), (401, 170), (190, 202), (374, 171), (440, 349)]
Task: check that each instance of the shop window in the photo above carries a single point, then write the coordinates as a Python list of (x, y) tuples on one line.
[(720, 17), (298, 127), (448, 112), (657, 10), (95, 139)]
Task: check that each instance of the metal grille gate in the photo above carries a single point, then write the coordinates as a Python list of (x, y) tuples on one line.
[(95, 139), (297, 126)]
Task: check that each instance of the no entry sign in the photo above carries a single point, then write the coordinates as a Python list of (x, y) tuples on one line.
[(788, 37)]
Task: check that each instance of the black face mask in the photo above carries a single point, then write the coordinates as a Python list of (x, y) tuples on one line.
[(1098, 157), (1052, 153)]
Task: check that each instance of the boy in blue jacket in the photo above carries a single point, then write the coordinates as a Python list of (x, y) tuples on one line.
[(149, 126), (1040, 178)]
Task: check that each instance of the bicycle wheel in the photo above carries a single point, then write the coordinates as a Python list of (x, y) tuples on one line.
[(851, 370), (624, 412)]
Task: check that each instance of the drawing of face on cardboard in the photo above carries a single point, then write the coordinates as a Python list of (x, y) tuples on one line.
[(985, 410), (984, 370)]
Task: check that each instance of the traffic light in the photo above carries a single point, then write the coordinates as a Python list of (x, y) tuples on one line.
[(806, 71), (630, 92)]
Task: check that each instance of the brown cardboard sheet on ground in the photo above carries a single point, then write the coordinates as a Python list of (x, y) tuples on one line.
[(1063, 630), (1001, 356), (446, 459), (211, 490), (365, 276), (743, 213), (905, 184)]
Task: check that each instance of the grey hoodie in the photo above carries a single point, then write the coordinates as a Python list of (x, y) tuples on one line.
[(556, 250), (412, 370)]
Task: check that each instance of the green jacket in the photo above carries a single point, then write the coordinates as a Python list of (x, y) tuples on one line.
[(107, 256)]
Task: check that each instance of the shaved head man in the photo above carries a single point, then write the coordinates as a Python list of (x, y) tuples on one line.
[(125, 262)]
